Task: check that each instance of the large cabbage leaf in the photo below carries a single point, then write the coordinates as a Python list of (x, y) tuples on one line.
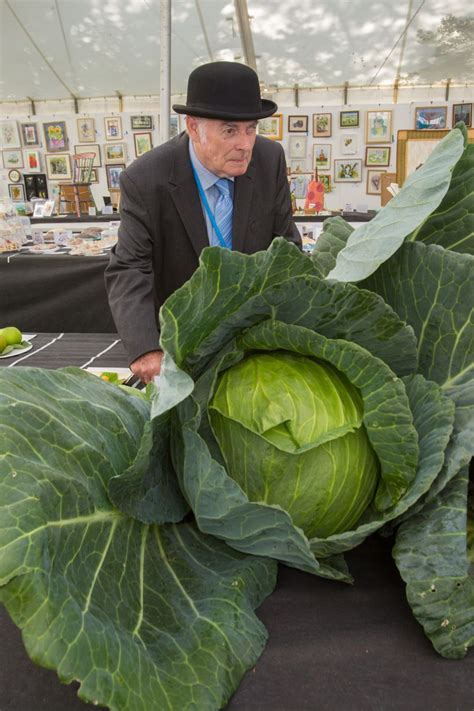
[(142, 616)]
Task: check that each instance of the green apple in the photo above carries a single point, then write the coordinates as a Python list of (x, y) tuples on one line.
[(12, 335), (3, 343)]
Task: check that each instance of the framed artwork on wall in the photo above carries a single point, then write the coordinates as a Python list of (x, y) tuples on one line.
[(430, 117), (271, 127), (298, 124), (348, 119), (375, 156), (85, 130), (374, 182), (29, 134), (299, 184), (14, 176), (17, 192), (297, 146), (113, 128), (115, 152), (90, 148), (322, 125), (32, 161), (322, 156), (462, 112), (141, 123), (414, 147), (55, 134), (298, 165), (12, 159), (143, 143), (174, 125), (325, 179), (378, 127), (58, 167), (349, 144), (348, 171), (113, 175), (9, 135), (36, 186)]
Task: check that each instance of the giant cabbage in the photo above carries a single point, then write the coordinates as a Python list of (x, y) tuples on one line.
[(305, 403)]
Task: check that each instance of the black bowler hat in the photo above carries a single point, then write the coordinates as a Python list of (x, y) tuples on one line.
[(225, 90)]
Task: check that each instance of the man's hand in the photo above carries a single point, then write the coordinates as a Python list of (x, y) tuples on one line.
[(147, 366)]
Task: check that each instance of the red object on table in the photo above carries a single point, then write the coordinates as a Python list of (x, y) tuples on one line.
[(315, 194)]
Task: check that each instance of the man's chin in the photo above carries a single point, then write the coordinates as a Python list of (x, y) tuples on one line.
[(235, 168)]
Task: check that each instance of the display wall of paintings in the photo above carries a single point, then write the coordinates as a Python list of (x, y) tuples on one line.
[(115, 152), (297, 146), (348, 119), (143, 143), (58, 167), (378, 127), (348, 171), (12, 159), (322, 156), (29, 134), (430, 117), (55, 134), (113, 175), (462, 112), (374, 181), (90, 148), (271, 127), (85, 130), (9, 135), (32, 161), (375, 156), (322, 125), (349, 144), (17, 192), (113, 128), (298, 124), (141, 123)]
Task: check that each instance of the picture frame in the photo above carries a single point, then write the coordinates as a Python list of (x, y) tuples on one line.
[(113, 128), (143, 143), (115, 152), (322, 156), (14, 175), (17, 192), (349, 144), (297, 146), (299, 184), (48, 208), (322, 125), (348, 170), (174, 125), (9, 135), (374, 181), (113, 175), (462, 112), (348, 119), (298, 165), (55, 134), (414, 147), (90, 148), (12, 159), (141, 123), (325, 179), (85, 129), (271, 127), (298, 124), (431, 118), (93, 178), (58, 166), (32, 160), (377, 156), (29, 134), (378, 126)]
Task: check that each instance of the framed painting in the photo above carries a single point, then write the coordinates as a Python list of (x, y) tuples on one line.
[(430, 117), (58, 167), (297, 146), (322, 156), (375, 156), (299, 185), (113, 128), (32, 161), (414, 147), (462, 112), (348, 119), (9, 135), (322, 125), (141, 123), (14, 175), (271, 127), (325, 179), (29, 134), (12, 159), (349, 144), (85, 130), (348, 171), (143, 143), (90, 148), (378, 127), (93, 177), (55, 134), (298, 124), (374, 181), (115, 152), (113, 175), (17, 192), (298, 165)]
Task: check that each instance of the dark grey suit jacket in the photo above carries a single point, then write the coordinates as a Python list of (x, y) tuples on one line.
[(163, 231)]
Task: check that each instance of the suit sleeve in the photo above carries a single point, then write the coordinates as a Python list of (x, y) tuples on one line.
[(129, 275), (283, 224)]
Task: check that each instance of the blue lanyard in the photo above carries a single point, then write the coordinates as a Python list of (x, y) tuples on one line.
[(207, 207)]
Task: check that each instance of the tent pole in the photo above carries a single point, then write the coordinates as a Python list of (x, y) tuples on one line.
[(165, 69)]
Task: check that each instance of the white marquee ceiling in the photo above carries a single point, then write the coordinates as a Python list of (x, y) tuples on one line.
[(52, 49)]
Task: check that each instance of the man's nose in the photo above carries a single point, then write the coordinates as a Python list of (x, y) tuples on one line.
[(245, 142)]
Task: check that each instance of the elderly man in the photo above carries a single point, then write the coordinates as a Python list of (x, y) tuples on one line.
[(217, 184)]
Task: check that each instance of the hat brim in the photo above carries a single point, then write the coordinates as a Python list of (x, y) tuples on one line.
[(268, 108)]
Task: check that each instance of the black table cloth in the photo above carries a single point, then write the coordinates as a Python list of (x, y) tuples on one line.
[(332, 647)]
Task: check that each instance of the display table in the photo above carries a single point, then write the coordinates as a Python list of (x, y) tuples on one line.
[(332, 647)]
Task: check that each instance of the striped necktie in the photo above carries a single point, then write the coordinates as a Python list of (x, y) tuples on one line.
[(223, 211)]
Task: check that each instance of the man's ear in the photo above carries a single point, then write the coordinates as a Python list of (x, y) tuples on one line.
[(191, 125)]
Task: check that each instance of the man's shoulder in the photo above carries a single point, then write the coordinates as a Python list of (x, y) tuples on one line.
[(157, 163), (268, 147)]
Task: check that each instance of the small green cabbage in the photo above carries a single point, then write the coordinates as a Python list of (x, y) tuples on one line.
[(290, 430)]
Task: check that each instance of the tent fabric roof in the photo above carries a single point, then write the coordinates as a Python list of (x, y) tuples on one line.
[(53, 49)]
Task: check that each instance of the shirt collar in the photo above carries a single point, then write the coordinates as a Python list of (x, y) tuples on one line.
[(206, 177)]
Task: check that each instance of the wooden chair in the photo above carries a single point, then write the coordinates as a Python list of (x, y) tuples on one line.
[(76, 197)]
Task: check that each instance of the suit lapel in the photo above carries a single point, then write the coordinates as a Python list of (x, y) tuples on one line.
[(243, 190), (185, 195)]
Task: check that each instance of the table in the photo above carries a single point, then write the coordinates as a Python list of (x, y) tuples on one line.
[(331, 647)]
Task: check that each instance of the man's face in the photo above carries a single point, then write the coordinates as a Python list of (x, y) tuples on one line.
[(223, 147)]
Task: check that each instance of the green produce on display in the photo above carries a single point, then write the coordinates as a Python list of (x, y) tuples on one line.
[(305, 403)]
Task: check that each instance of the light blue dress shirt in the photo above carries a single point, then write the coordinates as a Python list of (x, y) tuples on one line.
[(208, 182)]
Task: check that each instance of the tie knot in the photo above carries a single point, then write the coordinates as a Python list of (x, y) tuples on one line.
[(223, 187)]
